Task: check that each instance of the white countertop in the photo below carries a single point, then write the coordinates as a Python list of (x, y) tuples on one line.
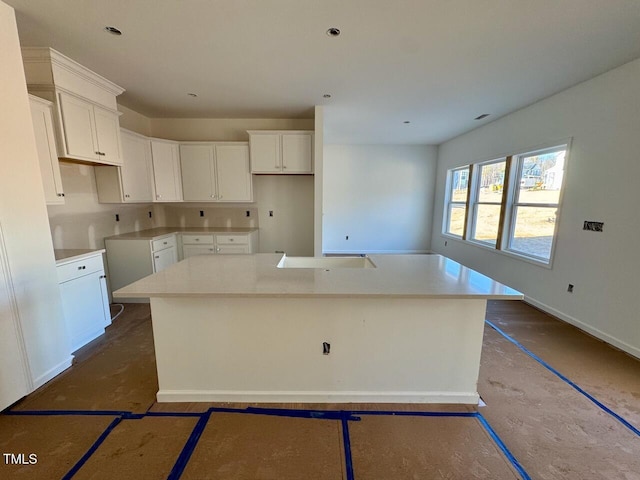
[(153, 233), (66, 255), (396, 276)]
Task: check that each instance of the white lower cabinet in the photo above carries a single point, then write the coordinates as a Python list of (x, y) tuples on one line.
[(130, 259), (85, 299), (219, 243)]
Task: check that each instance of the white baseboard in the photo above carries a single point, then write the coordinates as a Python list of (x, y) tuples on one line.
[(616, 342), (52, 372), (467, 398)]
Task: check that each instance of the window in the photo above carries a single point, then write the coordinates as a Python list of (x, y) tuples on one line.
[(457, 204), (536, 202), (487, 201), (512, 202)]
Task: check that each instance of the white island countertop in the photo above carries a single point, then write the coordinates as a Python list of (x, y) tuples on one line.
[(395, 276)]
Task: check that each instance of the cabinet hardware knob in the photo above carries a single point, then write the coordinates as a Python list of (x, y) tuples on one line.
[(103, 276), (164, 243), (97, 153), (63, 194), (82, 267), (156, 256), (158, 196), (284, 166)]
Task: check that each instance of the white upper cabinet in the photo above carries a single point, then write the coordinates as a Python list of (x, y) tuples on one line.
[(167, 178), (41, 114), (132, 182), (284, 152), (233, 175), (198, 172), (85, 108), (216, 172)]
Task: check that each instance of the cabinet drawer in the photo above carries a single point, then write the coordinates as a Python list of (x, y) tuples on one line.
[(193, 250), (232, 239), (232, 249), (163, 243), (191, 239), (79, 268)]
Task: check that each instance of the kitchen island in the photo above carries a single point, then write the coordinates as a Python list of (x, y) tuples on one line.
[(263, 328)]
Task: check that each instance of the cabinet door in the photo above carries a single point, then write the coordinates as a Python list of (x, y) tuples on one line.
[(78, 128), (107, 128), (136, 169), (166, 171), (164, 258), (84, 313), (265, 153), (193, 250), (41, 116), (297, 152), (233, 174), (197, 173)]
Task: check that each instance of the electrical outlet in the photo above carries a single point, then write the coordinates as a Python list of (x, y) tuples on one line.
[(346, 237), (271, 213), (445, 243), (570, 288), (150, 215), (202, 213), (326, 348), (593, 226), (248, 213), (117, 217)]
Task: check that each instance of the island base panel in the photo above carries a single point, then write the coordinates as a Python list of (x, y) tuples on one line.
[(254, 349)]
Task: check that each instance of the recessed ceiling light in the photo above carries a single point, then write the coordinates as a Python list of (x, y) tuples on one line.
[(192, 94), (333, 32), (327, 95), (480, 117), (113, 30)]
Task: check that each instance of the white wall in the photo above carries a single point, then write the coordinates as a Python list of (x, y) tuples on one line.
[(380, 196), (23, 219), (290, 229), (82, 222), (602, 116), (221, 129)]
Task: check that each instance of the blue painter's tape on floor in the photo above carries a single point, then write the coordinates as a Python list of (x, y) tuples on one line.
[(347, 445), (344, 416), (92, 449), (189, 447), (606, 409), (503, 447)]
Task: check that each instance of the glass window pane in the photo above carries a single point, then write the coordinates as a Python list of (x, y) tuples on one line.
[(456, 220), (486, 224), (491, 182), (541, 177), (459, 184), (533, 231)]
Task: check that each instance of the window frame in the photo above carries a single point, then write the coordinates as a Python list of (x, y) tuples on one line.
[(475, 202), (450, 202), (510, 202)]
